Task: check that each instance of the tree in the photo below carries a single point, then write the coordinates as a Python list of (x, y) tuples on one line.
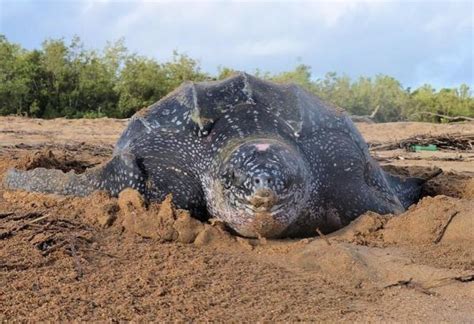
[(390, 97), (422, 99), (224, 72), (362, 97), (142, 82), (301, 75), (13, 78), (181, 68), (69, 80)]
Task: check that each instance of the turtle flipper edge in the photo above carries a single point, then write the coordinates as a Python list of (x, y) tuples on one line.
[(51, 181), (407, 189), (119, 173)]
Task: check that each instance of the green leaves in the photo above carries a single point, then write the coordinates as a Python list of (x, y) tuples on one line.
[(68, 80), (144, 81), (383, 95)]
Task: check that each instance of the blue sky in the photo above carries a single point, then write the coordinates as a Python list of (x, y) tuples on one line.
[(415, 41)]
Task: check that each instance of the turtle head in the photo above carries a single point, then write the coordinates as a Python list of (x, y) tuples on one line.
[(264, 186)]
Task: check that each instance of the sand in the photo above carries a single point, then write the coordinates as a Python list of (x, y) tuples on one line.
[(102, 258)]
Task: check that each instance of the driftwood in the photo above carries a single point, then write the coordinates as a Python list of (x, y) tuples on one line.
[(370, 118), (412, 285), (323, 236), (15, 229), (456, 142), (449, 118), (444, 228), (426, 286), (366, 118), (361, 119)]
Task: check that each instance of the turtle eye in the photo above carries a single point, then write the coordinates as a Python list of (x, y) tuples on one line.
[(236, 178), (230, 178), (227, 179)]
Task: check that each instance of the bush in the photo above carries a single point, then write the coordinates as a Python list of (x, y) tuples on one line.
[(67, 80)]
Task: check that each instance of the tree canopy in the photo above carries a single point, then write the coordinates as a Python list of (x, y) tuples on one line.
[(69, 80)]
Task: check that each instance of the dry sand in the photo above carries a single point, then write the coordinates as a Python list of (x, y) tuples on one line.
[(101, 258)]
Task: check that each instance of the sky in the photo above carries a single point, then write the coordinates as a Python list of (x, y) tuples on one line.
[(416, 42)]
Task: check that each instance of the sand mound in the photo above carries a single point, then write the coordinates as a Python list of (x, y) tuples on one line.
[(164, 222), (434, 220)]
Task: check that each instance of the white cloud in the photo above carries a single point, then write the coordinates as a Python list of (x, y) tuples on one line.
[(445, 23), (89, 6), (270, 47), (409, 39)]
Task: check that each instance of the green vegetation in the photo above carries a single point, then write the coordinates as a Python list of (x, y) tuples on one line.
[(68, 80)]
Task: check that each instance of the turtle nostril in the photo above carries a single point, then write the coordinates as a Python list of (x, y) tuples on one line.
[(262, 180)]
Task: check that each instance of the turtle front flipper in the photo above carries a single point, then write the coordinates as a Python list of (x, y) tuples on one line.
[(119, 173), (51, 181), (409, 189)]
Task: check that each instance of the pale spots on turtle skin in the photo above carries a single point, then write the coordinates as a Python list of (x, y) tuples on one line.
[(215, 145)]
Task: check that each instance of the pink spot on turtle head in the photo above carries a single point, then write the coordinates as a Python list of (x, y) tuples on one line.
[(262, 147)]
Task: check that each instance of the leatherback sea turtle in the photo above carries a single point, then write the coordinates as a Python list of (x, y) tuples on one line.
[(267, 159)]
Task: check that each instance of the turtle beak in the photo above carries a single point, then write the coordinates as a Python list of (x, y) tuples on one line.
[(263, 200), (264, 204)]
